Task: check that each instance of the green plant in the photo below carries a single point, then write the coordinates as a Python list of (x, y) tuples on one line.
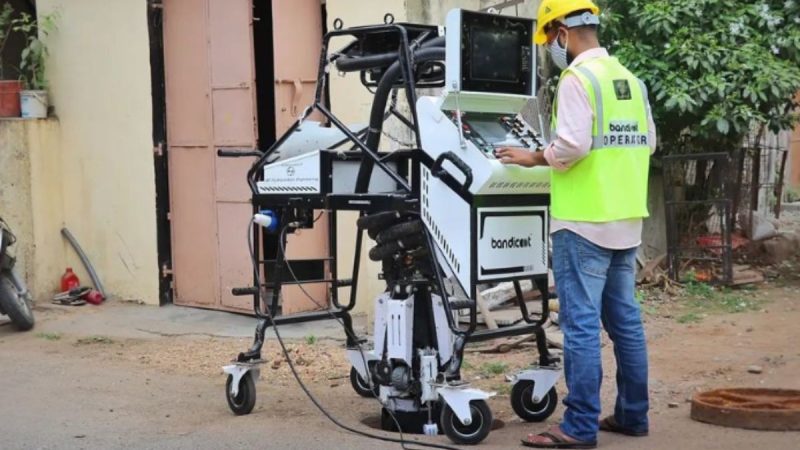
[(49, 336), (94, 340), (691, 317), (793, 194), (33, 56), (699, 289), (311, 339), (6, 25), (503, 389), (494, 368), (714, 68), (701, 300)]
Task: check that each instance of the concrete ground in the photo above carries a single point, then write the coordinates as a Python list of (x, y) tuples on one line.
[(132, 321), (126, 376)]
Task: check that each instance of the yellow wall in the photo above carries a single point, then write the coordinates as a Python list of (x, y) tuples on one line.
[(99, 73), (434, 11), (15, 190), (31, 201), (47, 208), (351, 102)]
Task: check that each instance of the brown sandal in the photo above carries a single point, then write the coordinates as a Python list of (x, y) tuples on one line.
[(556, 439), (610, 425)]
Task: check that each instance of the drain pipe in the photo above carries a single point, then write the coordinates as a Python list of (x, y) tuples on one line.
[(85, 260)]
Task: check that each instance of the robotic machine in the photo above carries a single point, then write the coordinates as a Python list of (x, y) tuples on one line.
[(445, 214)]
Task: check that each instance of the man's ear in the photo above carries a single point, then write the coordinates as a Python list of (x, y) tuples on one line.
[(562, 31)]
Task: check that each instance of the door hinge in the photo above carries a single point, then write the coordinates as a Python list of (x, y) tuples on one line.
[(169, 216), (159, 149), (166, 271)]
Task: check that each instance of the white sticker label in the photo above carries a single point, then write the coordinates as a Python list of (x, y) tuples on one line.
[(512, 242)]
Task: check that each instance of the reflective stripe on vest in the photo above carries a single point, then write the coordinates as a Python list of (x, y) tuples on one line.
[(611, 182)]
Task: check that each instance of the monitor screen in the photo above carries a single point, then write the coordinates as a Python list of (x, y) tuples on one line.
[(496, 55)]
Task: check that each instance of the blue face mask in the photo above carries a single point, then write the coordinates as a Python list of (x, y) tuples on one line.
[(559, 54)]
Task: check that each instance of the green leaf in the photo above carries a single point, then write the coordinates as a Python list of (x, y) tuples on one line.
[(723, 126)]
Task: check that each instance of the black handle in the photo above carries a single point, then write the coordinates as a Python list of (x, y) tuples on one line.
[(238, 153), (242, 291), (439, 172)]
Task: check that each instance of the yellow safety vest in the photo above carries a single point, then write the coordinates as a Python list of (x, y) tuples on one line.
[(611, 182)]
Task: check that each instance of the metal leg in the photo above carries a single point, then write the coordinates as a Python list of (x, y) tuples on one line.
[(347, 323), (254, 353)]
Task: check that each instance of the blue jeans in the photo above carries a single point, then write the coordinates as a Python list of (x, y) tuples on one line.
[(597, 285)]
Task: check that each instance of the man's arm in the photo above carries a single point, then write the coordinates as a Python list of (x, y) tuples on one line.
[(651, 130), (521, 157), (573, 135)]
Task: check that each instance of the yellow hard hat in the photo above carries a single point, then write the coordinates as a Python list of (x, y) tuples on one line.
[(551, 10)]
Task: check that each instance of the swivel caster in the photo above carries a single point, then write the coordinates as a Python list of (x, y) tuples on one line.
[(473, 433), (243, 401), (361, 386), (528, 410)]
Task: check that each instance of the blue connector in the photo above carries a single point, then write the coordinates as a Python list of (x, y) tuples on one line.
[(267, 219)]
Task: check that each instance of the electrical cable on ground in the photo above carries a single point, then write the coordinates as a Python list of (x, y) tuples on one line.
[(403, 442)]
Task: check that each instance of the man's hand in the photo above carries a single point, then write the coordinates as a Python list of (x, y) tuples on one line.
[(519, 156)]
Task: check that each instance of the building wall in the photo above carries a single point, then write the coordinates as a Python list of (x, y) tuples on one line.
[(434, 12), (31, 202), (794, 155), (793, 171), (351, 102), (15, 194), (99, 73)]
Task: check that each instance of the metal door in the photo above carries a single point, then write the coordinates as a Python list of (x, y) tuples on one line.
[(210, 102), (297, 31), (208, 53)]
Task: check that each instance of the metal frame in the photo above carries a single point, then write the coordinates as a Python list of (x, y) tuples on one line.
[(295, 207), (675, 245)]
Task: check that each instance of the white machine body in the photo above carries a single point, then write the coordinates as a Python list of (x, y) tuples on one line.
[(496, 229)]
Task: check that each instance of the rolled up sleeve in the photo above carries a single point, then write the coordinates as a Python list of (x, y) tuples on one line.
[(573, 133)]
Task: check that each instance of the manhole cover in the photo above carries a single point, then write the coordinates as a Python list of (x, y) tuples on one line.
[(756, 409)]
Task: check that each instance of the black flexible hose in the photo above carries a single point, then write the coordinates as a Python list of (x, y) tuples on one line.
[(404, 443), (359, 63), (373, 138)]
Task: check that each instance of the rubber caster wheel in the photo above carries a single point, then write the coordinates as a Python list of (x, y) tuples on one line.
[(526, 408), (361, 386), (470, 434), (242, 403)]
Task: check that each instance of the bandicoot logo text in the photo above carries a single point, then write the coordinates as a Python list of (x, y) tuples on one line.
[(512, 242)]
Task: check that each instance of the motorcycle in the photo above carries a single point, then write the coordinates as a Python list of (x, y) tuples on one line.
[(15, 300)]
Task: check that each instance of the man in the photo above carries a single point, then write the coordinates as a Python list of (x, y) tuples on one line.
[(603, 135)]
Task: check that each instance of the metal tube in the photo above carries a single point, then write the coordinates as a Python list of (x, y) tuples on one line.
[(85, 260)]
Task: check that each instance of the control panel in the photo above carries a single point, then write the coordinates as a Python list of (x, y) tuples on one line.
[(491, 131)]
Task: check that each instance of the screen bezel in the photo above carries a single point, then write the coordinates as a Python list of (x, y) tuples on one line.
[(525, 84)]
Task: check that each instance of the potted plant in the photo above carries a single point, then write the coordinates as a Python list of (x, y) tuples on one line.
[(9, 89), (33, 99)]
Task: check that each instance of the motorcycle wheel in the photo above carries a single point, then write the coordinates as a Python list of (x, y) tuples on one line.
[(17, 307)]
